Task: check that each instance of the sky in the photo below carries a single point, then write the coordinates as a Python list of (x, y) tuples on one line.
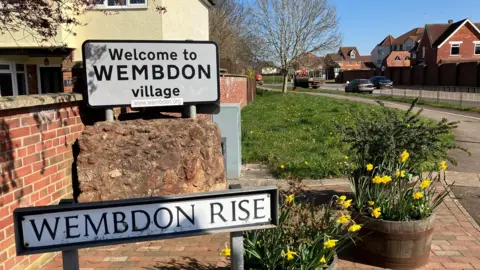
[(364, 23)]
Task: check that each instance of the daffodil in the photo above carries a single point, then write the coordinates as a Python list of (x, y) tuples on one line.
[(425, 184), (386, 179), (369, 167), (330, 243), (443, 165), (377, 180), (282, 166), (306, 163), (376, 212), (408, 125), (343, 219), (341, 199), (322, 260), (400, 173), (289, 254), (354, 228), (290, 198), (417, 195), (347, 203), (346, 157), (371, 203), (404, 156), (225, 252)]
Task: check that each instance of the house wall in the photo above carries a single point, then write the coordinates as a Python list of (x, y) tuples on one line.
[(36, 160), (349, 65), (185, 19), (430, 53), (391, 62), (468, 35), (376, 56)]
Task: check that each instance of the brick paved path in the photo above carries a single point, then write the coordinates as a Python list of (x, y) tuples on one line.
[(456, 245)]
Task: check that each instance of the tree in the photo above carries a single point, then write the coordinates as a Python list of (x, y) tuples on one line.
[(43, 19), (229, 28), (286, 29)]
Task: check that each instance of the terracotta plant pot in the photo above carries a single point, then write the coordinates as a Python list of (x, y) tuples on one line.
[(395, 244)]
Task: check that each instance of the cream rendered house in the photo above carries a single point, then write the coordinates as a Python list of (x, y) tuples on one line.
[(27, 67)]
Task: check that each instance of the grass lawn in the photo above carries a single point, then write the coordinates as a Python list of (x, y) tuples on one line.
[(297, 131), (445, 105)]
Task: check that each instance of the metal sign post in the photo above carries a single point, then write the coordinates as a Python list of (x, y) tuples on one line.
[(236, 244)]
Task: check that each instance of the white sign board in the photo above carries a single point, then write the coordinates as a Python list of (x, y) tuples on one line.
[(51, 228), (151, 73)]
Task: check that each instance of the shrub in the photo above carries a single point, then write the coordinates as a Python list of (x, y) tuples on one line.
[(307, 237)]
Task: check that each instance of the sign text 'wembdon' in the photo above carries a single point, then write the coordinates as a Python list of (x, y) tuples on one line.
[(51, 228), (151, 73)]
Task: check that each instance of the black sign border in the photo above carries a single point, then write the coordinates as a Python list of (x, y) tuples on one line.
[(204, 108), (19, 214)]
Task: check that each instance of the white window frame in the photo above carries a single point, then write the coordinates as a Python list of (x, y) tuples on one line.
[(475, 44), (13, 74), (456, 45), (352, 54), (127, 6)]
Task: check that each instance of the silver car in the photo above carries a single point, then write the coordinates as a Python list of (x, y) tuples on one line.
[(359, 86)]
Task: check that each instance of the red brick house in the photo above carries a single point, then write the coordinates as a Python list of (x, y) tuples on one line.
[(347, 58), (450, 42), (398, 59)]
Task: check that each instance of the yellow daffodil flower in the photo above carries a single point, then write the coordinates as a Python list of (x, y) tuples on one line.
[(371, 203), (225, 252), (282, 166), (386, 179), (425, 184), (330, 243), (289, 254), (322, 260), (408, 125), (343, 219), (376, 212), (404, 156), (347, 203), (443, 165), (400, 173), (417, 195), (369, 167), (290, 198), (306, 163), (354, 228), (346, 157), (377, 180)]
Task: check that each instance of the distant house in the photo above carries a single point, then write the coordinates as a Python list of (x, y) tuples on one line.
[(347, 58), (398, 59), (380, 52), (270, 70), (449, 43), (407, 41), (367, 62), (308, 61)]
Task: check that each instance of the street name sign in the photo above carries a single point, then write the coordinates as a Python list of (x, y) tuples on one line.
[(140, 73), (73, 226)]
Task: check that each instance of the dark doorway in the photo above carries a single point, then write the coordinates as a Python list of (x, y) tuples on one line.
[(51, 79)]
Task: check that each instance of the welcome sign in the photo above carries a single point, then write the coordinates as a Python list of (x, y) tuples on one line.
[(61, 227), (151, 73)]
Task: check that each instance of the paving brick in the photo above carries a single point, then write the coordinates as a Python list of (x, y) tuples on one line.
[(456, 265)]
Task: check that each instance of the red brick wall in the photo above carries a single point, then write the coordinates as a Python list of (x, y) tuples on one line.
[(430, 53), (350, 65), (466, 34), (36, 160), (233, 90)]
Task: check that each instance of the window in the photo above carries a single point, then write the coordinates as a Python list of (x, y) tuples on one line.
[(423, 51), (115, 4), (380, 51), (349, 63), (408, 48), (397, 58), (455, 49), (477, 49), (352, 54), (400, 47), (414, 55), (13, 80), (407, 58)]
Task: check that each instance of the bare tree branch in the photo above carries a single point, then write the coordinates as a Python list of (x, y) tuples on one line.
[(288, 29)]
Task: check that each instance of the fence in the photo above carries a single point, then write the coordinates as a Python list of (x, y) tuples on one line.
[(459, 98), (451, 75)]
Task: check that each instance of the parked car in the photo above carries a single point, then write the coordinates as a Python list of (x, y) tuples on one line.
[(381, 82), (360, 85)]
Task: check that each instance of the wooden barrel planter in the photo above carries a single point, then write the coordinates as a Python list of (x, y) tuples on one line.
[(333, 265), (395, 244)]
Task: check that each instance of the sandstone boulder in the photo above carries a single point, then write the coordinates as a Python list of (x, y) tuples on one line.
[(143, 158)]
